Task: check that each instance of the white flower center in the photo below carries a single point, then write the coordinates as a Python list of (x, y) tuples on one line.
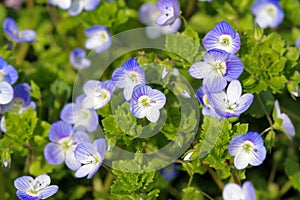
[(220, 68), (66, 143), (206, 101), (102, 93), (230, 106), (133, 77), (83, 114), (225, 42), (248, 146), (35, 187), (144, 101), (94, 158), (271, 10)]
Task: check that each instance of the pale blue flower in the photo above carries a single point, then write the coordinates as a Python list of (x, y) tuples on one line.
[(78, 59), (62, 145), (286, 124), (99, 38), (169, 10), (11, 29), (247, 149), (128, 76), (217, 68), (82, 118), (233, 191), (98, 94), (77, 6), (34, 189), (6, 92), (147, 102), (7, 72), (63, 4), (90, 156), (207, 109), (268, 13), (224, 37), (232, 103)]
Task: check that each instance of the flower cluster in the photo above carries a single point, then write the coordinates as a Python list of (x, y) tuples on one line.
[(75, 7), (218, 67)]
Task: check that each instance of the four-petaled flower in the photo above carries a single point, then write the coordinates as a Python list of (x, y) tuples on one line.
[(222, 36), (97, 93), (247, 149), (268, 13), (202, 96), (78, 59), (34, 189), (62, 145), (232, 103), (169, 10), (99, 38), (90, 156), (11, 29), (82, 118), (233, 191), (218, 68), (128, 76), (284, 123), (77, 6), (146, 102)]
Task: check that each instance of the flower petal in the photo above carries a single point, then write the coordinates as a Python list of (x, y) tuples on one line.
[(48, 191), (54, 154), (41, 182), (80, 137), (249, 191), (242, 160), (199, 70), (234, 91), (24, 196), (76, 7), (67, 113), (84, 151), (232, 191), (215, 82), (6, 93), (23, 183), (27, 36), (84, 170), (71, 162), (153, 115), (59, 130), (100, 144)]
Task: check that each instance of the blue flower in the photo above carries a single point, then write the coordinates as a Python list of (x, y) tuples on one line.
[(268, 13), (78, 5), (62, 145), (82, 118), (218, 68), (7, 72), (34, 189), (233, 191), (11, 29), (208, 109), (63, 4), (232, 103), (146, 102), (247, 149), (169, 10), (99, 38), (170, 172), (90, 156), (284, 123), (222, 36), (6, 92), (148, 12), (128, 76), (78, 59), (97, 93)]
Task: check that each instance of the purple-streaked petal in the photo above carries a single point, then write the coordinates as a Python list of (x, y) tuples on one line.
[(90, 86), (23, 183), (100, 144), (6, 93), (10, 26), (78, 59), (70, 160), (244, 103), (235, 145), (84, 170), (67, 113), (11, 74), (54, 154), (27, 36), (91, 4), (84, 151), (287, 125), (148, 12), (234, 69), (80, 137), (157, 98), (94, 170), (249, 191), (24, 196), (99, 38), (21, 91), (232, 191), (215, 83), (76, 7), (63, 4), (42, 181), (169, 12), (234, 91), (48, 191), (257, 156), (59, 130), (173, 28), (200, 70)]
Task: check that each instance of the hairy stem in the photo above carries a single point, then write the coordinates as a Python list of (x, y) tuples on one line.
[(262, 105), (286, 187), (215, 177)]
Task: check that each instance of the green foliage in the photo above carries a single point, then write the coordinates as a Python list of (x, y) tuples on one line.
[(292, 169), (192, 193)]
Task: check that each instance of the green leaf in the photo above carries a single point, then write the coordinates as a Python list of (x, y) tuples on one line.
[(192, 193), (292, 170), (35, 90)]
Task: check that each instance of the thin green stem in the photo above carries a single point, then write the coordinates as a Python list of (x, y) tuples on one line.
[(215, 177), (286, 187), (190, 181), (233, 174), (189, 8), (22, 53), (262, 105), (273, 172), (184, 21), (266, 130), (207, 196), (107, 182), (29, 158)]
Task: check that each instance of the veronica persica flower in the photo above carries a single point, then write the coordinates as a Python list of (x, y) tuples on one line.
[(99, 38), (6, 93), (247, 149), (169, 10), (78, 5), (128, 76), (233, 191), (11, 29), (231, 103), (82, 118), (34, 189), (62, 145), (146, 102), (7, 72), (208, 109), (268, 13), (97, 93), (91, 157), (284, 123), (170, 172), (217, 68), (78, 59), (222, 36), (63, 4)]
